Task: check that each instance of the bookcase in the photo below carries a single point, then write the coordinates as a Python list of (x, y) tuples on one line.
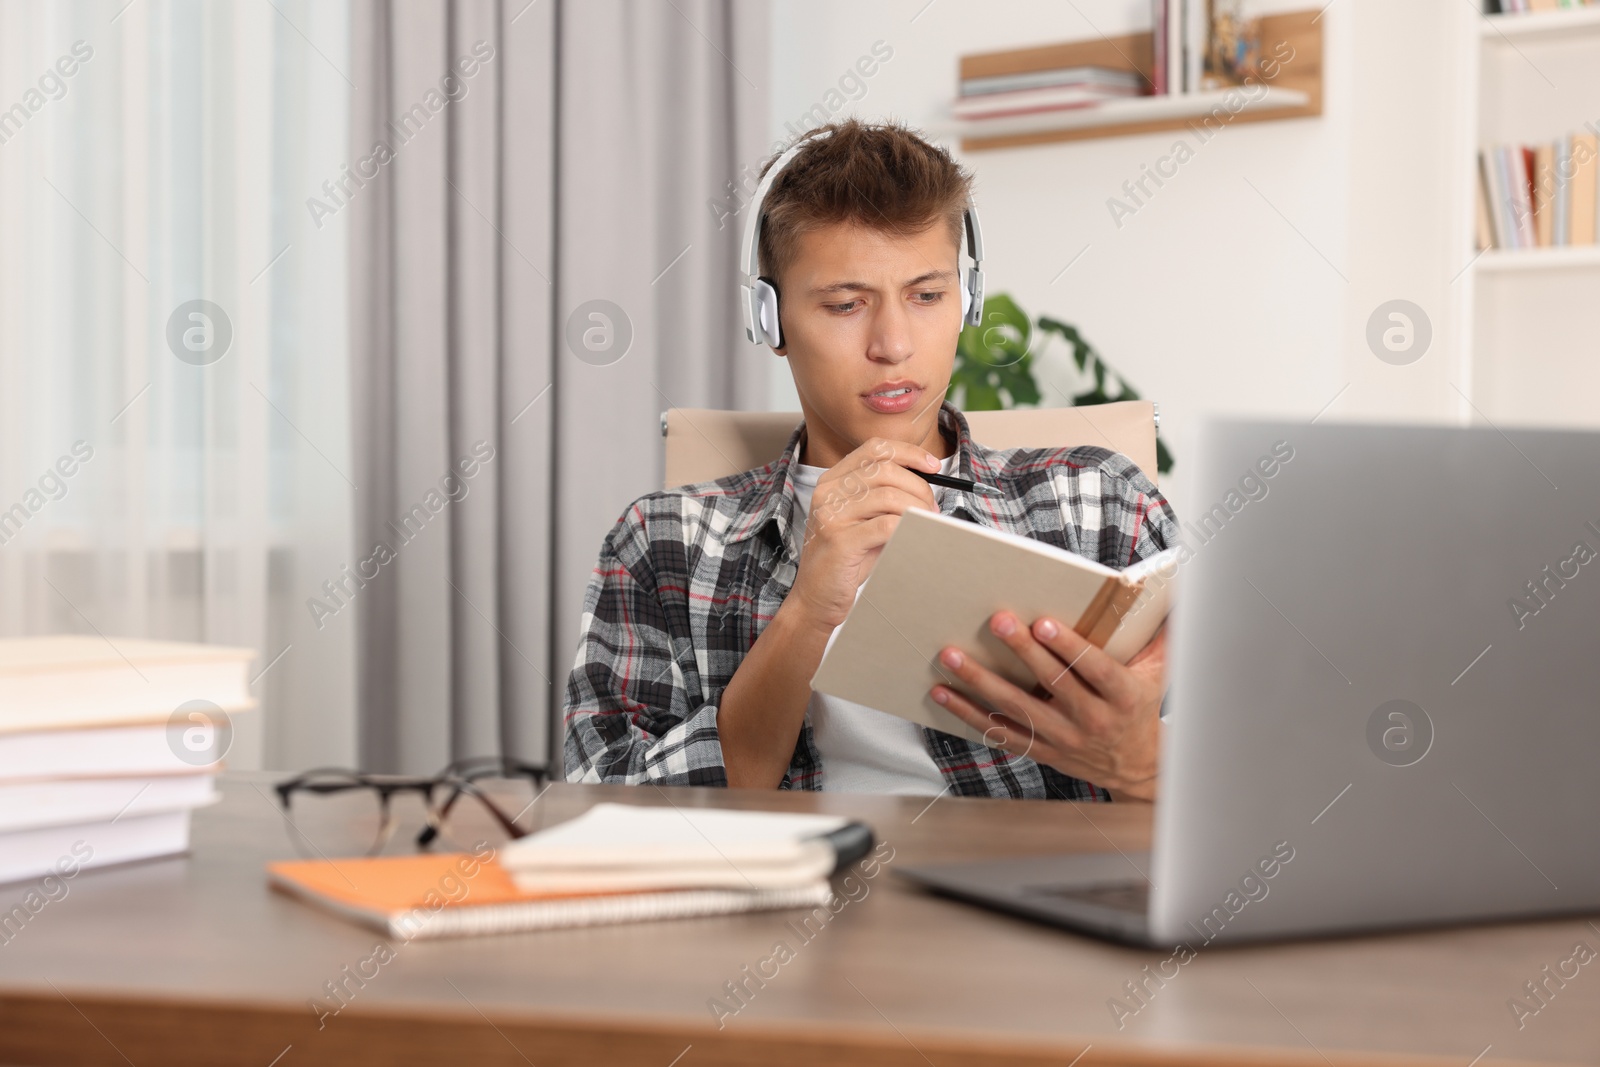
[(1526, 317)]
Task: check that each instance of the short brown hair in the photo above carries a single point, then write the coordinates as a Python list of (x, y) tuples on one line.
[(882, 176)]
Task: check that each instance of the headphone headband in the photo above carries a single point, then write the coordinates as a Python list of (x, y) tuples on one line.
[(759, 296)]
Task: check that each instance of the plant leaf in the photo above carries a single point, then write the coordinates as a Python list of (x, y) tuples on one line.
[(1003, 336), (981, 396)]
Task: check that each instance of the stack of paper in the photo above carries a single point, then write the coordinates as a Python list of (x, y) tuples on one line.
[(623, 846), (100, 762)]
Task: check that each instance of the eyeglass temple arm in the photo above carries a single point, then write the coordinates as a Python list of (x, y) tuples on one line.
[(431, 831)]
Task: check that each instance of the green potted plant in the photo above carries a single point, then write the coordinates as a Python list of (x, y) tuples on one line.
[(994, 365)]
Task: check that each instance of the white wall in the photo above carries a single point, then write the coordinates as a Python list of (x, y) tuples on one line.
[(1243, 286)]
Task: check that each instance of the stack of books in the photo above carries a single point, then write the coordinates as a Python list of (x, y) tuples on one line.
[(1032, 92), (106, 748), (1035, 81), (1539, 196)]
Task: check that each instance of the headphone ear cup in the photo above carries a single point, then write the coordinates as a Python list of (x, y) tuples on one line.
[(768, 326), (966, 300), (972, 297)]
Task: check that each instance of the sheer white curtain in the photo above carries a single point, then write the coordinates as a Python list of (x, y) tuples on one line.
[(167, 468)]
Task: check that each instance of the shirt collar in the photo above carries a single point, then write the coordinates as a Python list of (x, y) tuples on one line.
[(775, 503)]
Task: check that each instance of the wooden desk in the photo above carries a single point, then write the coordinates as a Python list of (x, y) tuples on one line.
[(194, 961)]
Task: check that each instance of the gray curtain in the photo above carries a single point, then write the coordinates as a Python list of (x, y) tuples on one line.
[(549, 162)]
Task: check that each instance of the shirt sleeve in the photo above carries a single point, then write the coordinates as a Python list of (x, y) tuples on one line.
[(630, 716), (1135, 514), (1157, 528)]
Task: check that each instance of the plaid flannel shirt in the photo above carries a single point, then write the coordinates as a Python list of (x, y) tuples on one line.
[(689, 577)]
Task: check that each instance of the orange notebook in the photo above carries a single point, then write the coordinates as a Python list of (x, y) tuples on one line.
[(457, 894)]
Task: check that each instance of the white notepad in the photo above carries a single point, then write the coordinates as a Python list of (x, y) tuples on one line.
[(617, 846)]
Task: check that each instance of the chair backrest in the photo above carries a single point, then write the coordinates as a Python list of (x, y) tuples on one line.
[(703, 444)]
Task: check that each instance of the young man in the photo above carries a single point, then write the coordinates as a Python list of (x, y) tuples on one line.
[(712, 604)]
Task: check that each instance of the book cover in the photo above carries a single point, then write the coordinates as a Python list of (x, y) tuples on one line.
[(1584, 190), (1527, 186), (938, 582), (1175, 36), (1158, 33), (76, 681), (1543, 194), (1033, 101), (1485, 196), (433, 895), (1561, 172), (1196, 38), (1518, 183), (31, 853), (1494, 165), (1100, 77)]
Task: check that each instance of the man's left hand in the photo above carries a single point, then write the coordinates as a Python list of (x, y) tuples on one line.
[(1089, 716)]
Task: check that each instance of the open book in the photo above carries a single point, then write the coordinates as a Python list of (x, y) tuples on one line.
[(938, 582)]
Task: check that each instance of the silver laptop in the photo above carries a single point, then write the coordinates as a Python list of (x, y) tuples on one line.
[(1385, 695)]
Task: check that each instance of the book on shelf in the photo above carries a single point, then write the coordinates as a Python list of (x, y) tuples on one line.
[(1560, 163), (1585, 189), (1160, 83), (1543, 195), (1175, 39), (1160, 37), (1527, 192), (1521, 7), (1485, 221), (1111, 78), (1518, 198), (1539, 196), (1034, 101), (1196, 41)]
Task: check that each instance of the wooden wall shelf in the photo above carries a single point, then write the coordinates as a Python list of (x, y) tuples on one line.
[(1296, 92)]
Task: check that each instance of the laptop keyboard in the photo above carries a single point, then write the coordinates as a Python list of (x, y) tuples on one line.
[(1121, 896)]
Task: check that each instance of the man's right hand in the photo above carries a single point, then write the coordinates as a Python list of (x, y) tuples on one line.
[(855, 508)]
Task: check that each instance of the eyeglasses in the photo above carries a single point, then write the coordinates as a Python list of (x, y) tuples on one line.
[(335, 811)]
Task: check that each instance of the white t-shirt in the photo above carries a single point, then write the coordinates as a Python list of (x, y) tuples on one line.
[(863, 750)]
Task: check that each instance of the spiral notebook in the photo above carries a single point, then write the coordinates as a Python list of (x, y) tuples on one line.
[(435, 895)]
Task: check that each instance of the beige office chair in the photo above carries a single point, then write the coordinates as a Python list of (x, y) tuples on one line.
[(703, 444)]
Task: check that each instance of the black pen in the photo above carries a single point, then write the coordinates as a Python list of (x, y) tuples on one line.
[(963, 484)]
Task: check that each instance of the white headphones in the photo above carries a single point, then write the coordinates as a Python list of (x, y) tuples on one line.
[(758, 296)]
